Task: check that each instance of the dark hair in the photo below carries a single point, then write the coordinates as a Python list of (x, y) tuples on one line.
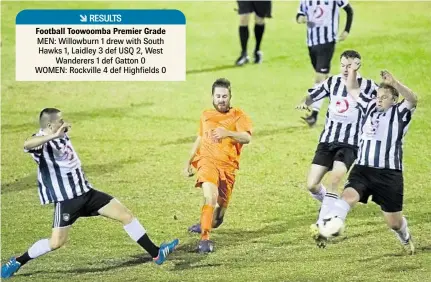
[(392, 89), (221, 82), (350, 54), (48, 111), (46, 116)]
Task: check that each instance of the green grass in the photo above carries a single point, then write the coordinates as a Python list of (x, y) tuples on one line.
[(133, 139)]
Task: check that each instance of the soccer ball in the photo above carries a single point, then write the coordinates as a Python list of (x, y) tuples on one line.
[(331, 226)]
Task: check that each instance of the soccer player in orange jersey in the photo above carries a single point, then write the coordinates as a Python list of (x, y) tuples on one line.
[(215, 155)]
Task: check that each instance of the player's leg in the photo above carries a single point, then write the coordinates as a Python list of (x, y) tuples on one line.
[(355, 191), (210, 195), (262, 10), (398, 223), (244, 10), (389, 196), (107, 206), (64, 217), (343, 160), (224, 195), (322, 66), (321, 163)]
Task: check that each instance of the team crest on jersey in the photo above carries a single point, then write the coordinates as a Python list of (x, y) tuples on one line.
[(66, 216), (342, 106)]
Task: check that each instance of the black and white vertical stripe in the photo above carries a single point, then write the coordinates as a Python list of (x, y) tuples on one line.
[(383, 147), (60, 176), (323, 19), (344, 130)]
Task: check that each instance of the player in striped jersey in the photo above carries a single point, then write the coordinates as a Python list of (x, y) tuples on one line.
[(338, 143), (378, 169), (322, 19), (62, 182)]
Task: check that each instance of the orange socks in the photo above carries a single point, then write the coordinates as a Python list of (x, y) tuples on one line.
[(206, 221)]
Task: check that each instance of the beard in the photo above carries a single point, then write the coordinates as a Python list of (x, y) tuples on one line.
[(222, 107)]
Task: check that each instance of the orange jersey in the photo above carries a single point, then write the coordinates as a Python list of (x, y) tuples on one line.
[(225, 152)]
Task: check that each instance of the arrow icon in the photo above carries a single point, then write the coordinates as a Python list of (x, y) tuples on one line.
[(83, 18)]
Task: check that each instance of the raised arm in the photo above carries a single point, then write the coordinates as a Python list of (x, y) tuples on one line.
[(404, 91), (37, 141), (352, 85)]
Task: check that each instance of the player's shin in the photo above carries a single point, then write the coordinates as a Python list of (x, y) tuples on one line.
[(38, 249), (138, 233), (403, 232), (328, 202), (206, 221)]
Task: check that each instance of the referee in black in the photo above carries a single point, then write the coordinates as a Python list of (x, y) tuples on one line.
[(262, 10), (322, 19)]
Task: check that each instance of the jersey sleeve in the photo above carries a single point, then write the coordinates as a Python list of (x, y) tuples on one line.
[(244, 124), (370, 89), (302, 9), (363, 101), (319, 92), (342, 3), (36, 150), (405, 110)]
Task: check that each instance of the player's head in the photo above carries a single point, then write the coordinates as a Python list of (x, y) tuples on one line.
[(50, 118), (221, 94), (346, 60), (387, 96)]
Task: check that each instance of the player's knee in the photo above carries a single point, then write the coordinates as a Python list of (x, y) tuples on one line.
[(210, 199), (351, 196), (395, 223), (244, 19), (312, 186), (258, 20), (126, 217), (57, 242)]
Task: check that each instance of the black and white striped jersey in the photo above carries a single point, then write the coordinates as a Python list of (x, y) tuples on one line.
[(59, 175), (343, 118), (381, 144), (322, 19)]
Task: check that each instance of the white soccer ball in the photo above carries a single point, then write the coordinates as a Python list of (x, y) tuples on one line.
[(331, 226)]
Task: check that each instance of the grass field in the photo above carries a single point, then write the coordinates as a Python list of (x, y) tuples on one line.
[(133, 139)]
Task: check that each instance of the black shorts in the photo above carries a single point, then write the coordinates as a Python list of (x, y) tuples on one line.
[(321, 56), (261, 8), (86, 205), (386, 186), (327, 153)]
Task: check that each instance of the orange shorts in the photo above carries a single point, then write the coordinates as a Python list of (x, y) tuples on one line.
[(224, 178)]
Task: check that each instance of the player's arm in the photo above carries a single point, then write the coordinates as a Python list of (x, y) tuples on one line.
[(407, 93), (301, 14), (352, 85), (36, 142), (349, 19), (240, 137), (315, 94), (194, 150)]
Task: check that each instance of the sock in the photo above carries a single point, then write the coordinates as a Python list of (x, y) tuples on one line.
[(403, 232), (38, 249), (341, 208), (258, 33), (138, 233), (327, 204), (319, 195), (243, 35), (206, 221)]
